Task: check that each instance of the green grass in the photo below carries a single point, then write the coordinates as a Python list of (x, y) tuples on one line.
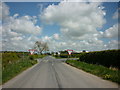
[(32, 57), (14, 63), (14, 69), (60, 58), (101, 71), (41, 56)]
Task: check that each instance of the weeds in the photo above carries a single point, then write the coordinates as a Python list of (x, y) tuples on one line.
[(12, 70), (14, 63)]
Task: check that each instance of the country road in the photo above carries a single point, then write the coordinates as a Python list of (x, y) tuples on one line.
[(53, 73)]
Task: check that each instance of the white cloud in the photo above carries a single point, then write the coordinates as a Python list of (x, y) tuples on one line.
[(112, 32), (16, 15), (4, 11), (91, 0), (115, 15), (75, 20), (113, 44), (19, 33), (88, 43), (56, 36), (46, 39), (24, 25), (79, 23)]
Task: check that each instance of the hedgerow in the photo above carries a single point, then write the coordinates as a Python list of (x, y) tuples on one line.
[(108, 58)]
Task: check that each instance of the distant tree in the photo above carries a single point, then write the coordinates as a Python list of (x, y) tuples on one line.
[(41, 46), (84, 51), (63, 52)]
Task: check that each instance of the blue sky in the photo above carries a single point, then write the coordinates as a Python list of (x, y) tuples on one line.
[(56, 32), (110, 9), (33, 9)]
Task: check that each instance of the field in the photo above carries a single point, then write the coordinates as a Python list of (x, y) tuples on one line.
[(14, 63)]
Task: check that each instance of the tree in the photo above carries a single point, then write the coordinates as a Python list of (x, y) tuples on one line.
[(41, 46)]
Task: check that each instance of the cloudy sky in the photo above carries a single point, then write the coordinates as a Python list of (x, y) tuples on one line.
[(63, 25)]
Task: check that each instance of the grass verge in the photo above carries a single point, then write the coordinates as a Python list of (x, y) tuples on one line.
[(13, 63), (11, 70), (101, 71)]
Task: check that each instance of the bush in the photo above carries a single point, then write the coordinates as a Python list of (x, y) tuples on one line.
[(64, 55), (15, 62), (73, 55), (12, 70), (31, 57), (108, 58)]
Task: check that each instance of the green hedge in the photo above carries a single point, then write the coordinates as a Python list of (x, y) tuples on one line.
[(73, 55), (108, 58), (12, 57)]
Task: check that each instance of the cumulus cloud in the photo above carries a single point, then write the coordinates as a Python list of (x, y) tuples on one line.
[(4, 11), (46, 39), (74, 19), (19, 32), (79, 26), (113, 44), (24, 25), (112, 32), (116, 14), (88, 43), (56, 36)]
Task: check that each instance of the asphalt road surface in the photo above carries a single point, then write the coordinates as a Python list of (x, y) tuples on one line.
[(53, 73)]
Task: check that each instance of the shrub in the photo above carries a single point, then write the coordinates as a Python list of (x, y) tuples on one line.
[(108, 58), (15, 62), (31, 57)]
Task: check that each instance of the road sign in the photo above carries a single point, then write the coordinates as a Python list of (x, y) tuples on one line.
[(58, 53), (69, 51), (32, 51)]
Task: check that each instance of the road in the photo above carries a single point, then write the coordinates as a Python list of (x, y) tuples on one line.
[(53, 73)]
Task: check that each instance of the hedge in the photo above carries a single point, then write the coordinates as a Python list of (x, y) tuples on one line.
[(108, 58), (73, 55)]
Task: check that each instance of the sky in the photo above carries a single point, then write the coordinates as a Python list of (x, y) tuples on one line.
[(63, 25)]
